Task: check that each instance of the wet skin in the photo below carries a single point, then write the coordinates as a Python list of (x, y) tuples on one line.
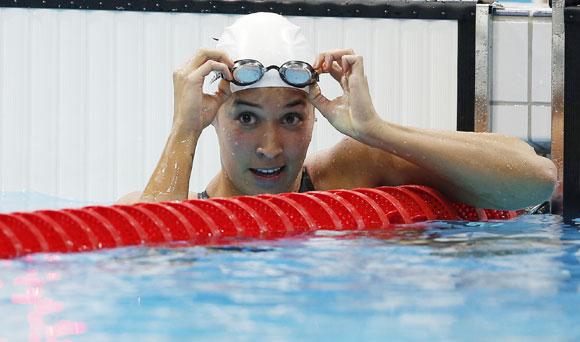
[(266, 130), (264, 134)]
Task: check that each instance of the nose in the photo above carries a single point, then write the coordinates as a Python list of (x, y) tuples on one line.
[(270, 146)]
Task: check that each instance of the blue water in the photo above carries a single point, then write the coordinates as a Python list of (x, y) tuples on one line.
[(517, 280)]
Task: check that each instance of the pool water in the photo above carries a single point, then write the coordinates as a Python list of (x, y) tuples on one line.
[(516, 280)]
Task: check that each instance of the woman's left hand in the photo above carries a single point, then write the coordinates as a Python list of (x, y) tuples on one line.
[(353, 112)]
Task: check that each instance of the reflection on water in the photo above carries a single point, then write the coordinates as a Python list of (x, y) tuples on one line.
[(30, 285), (441, 280)]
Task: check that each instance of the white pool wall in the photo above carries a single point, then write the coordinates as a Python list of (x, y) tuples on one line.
[(521, 64), (86, 96)]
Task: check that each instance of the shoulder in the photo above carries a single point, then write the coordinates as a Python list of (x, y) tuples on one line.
[(350, 164)]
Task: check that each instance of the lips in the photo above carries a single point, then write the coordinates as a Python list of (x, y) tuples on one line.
[(271, 172)]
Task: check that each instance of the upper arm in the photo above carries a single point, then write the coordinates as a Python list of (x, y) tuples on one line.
[(351, 164)]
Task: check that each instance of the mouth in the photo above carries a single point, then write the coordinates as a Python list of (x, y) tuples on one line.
[(268, 173)]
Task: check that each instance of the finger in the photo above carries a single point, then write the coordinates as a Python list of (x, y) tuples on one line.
[(336, 55), (221, 95), (319, 101), (203, 55), (215, 101), (327, 65), (345, 66), (224, 90), (216, 55), (336, 71), (353, 63), (344, 84), (207, 67), (317, 61)]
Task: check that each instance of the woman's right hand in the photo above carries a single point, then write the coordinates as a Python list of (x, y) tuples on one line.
[(194, 110)]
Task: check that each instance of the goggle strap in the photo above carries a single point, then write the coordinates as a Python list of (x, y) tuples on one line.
[(216, 75)]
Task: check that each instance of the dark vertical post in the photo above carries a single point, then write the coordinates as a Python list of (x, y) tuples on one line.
[(466, 71), (572, 114)]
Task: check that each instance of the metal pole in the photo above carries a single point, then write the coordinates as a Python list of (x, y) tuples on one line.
[(558, 63), (483, 39)]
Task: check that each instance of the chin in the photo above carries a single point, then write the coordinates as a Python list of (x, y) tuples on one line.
[(269, 190)]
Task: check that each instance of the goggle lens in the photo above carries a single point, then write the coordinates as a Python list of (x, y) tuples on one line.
[(296, 74), (247, 73)]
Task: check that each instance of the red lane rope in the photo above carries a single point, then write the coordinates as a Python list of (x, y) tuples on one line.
[(371, 214), (328, 219), (395, 211), (82, 236), (10, 246), (300, 218), (346, 213), (210, 226), (29, 235), (219, 220), (100, 227)]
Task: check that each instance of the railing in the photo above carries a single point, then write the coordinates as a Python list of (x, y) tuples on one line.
[(564, 147)]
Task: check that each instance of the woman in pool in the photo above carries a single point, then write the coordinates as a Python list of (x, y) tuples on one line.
[(264, 130)]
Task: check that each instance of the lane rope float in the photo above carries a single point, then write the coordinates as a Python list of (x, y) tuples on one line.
[(206, 222)]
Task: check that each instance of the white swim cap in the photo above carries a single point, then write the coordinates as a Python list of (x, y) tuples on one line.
[(268, 38)]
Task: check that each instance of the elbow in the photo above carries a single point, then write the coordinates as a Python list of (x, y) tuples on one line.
[(547, 180), (530, 187), (539, 187)]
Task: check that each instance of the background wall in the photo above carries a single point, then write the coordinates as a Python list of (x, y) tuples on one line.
[(521, 90), (86, 96)]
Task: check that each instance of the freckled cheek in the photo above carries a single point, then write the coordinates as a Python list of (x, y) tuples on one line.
[(240, 142), (297, 144)]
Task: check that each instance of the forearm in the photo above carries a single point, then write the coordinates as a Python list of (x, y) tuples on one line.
[(482, 169), (170, 180)]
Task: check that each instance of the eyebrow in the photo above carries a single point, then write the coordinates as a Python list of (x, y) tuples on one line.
[(295, 103), (245, 103), (251, 104)]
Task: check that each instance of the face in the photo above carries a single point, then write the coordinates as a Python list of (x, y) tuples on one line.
[(264, 134)]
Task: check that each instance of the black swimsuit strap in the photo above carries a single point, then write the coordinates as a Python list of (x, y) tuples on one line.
[(305, 185), (306, 182), (202, 195)]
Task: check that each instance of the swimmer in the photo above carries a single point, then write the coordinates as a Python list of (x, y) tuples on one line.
[(264, 118)]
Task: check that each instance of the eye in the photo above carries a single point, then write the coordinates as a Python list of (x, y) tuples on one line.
[(247, 118), (292, 119)]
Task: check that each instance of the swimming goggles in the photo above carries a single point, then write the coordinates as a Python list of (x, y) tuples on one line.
[(249, 71)]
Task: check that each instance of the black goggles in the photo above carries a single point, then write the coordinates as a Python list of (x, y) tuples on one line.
[(295, 73)]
